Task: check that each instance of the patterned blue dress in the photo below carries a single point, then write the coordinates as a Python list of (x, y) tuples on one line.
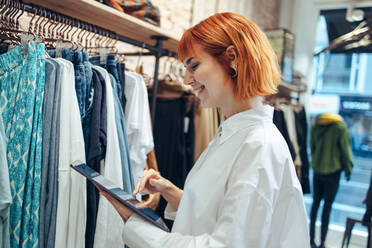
[(22, 80)]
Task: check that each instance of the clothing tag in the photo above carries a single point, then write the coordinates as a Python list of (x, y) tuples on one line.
[(59, 49), (103, 55), (186, 121), (25, 39), (11, 46), (38, 40)]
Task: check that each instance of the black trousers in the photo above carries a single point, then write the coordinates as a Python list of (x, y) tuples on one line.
[(324, 187)]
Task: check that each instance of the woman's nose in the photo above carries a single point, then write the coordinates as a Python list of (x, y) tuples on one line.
[(188, 79)]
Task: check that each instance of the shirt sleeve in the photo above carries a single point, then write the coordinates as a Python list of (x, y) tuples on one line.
[(346, 153), (170, 213), (243, 220)]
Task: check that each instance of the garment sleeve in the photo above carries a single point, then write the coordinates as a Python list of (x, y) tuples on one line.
[(232, 230), (243, 220), (346, 153), (170, 213)]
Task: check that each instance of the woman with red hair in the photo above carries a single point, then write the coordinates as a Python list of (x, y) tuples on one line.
[(243, 190)]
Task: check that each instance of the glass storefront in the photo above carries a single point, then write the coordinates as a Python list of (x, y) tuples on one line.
[(345, 84), (357, 113)]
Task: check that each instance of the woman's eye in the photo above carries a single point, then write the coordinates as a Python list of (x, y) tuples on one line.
[(194, 66)]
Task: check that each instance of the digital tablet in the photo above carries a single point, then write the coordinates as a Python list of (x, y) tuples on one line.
[(127, 199)]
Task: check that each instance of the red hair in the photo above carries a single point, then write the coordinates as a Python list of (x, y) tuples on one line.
[(258, 72)]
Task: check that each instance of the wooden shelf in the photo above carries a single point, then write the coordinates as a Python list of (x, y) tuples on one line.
[(299, 88), (286, 90), (111, 19)]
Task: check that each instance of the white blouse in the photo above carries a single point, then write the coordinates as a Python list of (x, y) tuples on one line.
[(71, 211), (138, 123), (242, 192), (109, 226)]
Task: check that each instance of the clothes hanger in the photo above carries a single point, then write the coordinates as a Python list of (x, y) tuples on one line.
[(9, 31), (139, 66), (356, 35)]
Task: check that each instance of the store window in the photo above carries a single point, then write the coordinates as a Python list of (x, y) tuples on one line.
[(343, 78), (340, 72)]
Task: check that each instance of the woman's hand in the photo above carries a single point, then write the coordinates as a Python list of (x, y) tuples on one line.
[(153, 182), (123, 211), (151, 201)]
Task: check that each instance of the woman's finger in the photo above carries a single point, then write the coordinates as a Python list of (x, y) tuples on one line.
[(135, 191), (141, 184)]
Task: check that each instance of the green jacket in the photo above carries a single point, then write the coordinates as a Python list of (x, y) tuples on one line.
[(330, 145)]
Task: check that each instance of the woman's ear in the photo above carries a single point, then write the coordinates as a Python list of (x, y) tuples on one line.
[(232, 55)]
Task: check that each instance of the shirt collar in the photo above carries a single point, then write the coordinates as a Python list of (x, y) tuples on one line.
[(243, 120)]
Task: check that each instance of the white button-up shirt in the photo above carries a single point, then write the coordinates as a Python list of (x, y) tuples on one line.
[(71, 211), (109, 225), (242, 192)]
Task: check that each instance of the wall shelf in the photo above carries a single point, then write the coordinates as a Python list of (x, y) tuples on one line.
[(298, 88), (111, 19), (291, 90)]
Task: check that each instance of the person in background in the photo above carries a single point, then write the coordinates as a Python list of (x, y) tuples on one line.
[(331, 154), (243, 190)]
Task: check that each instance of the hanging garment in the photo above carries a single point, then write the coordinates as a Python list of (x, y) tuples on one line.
[(80, 80), (89, 81), (206, 121), (121, 72), (242, 192), (109, 63), (96, 133), (138, 123), (22, 79), (109, 224), (49, 172), (87, 115), (64, 53), (301, 130), (123, 141), (4, 48), (71, 211), (151, 200), (280, 123), (291, 127), (5, 196), (174, 137)]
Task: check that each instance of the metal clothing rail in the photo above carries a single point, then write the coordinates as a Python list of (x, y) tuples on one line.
[(158, 51)]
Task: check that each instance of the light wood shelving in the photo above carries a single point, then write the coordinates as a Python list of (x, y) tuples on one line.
[(111, 19)]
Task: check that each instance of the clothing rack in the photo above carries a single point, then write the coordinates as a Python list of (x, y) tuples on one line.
[(286, 90), (156, 50)]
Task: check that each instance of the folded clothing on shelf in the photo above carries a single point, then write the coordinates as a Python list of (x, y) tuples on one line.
[(142, 9)]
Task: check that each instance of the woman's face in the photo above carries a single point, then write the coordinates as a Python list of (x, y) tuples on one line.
[(210, 81)]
